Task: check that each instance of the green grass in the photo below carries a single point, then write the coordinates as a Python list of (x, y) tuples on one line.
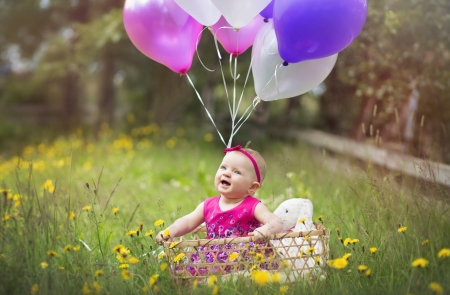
[(152, 174)]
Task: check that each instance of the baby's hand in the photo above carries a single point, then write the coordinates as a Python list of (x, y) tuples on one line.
[(319, 226), (161, 238), (258, 234)]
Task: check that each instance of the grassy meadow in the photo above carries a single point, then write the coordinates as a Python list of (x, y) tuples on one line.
[(78, 217)]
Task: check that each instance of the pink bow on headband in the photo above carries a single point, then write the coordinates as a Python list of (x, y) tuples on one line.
[(238, 148)]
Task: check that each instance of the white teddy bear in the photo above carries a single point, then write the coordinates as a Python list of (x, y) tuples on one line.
[(296, 215)]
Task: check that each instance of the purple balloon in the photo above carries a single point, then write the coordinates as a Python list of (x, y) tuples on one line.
[(236, 42), (268, 11), (312, 29), (163, 31)]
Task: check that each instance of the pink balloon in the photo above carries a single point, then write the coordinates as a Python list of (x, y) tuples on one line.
[(234, 42), (163, 31)]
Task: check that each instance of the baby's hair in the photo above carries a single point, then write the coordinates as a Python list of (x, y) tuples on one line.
[(259, 161)]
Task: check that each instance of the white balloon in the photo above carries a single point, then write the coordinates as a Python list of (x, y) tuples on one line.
[(203, 11), (274, 81), (239, 13)]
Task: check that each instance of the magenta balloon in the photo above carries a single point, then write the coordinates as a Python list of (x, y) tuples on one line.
[(234, 42), (312, 29), (268, 11), (163, 31)]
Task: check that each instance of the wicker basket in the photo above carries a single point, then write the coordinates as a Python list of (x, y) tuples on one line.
[(291, 255)]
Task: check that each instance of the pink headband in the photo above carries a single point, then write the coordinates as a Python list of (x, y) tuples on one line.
[(238, 148)]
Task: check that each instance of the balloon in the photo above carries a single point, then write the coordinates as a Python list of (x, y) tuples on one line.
[(236, 42), (163, 31), (311, 29), (274, 81), (268, 11), (239, 13), (204, 11)]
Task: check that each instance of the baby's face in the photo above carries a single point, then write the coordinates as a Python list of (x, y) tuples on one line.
[(235, 176)]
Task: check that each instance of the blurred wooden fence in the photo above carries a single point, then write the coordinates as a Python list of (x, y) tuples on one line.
[(416, 167)]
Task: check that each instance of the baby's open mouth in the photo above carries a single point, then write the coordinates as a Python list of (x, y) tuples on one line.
[(224, 182)]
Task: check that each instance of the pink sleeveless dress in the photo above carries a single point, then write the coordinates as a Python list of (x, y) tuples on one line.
[(236, 222)]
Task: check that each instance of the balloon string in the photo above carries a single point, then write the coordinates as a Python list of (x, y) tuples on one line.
[(245, 83), (274, 77), (207, 112), (196, 50), (255, 102)]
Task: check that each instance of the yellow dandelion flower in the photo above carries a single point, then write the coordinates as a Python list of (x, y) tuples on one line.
[(166, 233), (115, 210), (34, 289), (52, 253), (347, 241), (76, 248), (86, 208), (141, 225), (311, 250), (354, 241), (163, 266), (425, 242), (373, 249), (131, 233), (368, 273), (212, 280), (340, 263), (320, 218), (67, 248), (98, 273), (145, 290), (126, 274), (436, 288), (445, 252), (307, 238), (159, 222), (420, 262), (117, 248), (71, 215), (178, 257), (86, 289), (61, 268), (149, 234), (402, 229), (284, 264), (152, 280), (155, 289), (317, 259), (215, 290), (48, 185), (124, 252), (123, 266), (173, 244), (44, 264), (255, 267), (276, 277), (162, 255), (96, 287), (195, 284), (362, 268), (284, 289), (233, 256), (302, 220), (133, 260), (261, 277), (259, 257), (347, 255)]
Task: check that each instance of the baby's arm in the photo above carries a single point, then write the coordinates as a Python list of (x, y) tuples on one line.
[(183, 225), (272, 224)]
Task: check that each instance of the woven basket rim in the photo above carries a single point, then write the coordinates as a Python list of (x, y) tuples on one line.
[(313, 234)]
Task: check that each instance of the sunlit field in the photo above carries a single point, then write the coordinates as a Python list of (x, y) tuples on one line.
[(79, 216)]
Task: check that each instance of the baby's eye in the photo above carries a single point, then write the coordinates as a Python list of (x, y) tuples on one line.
[(237, 172), (222, 168)]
